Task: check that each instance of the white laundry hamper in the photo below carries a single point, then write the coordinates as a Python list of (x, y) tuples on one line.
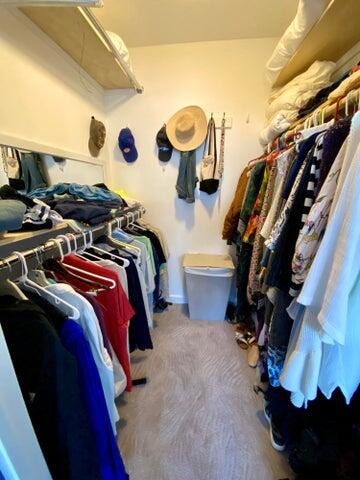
[(208, 281)]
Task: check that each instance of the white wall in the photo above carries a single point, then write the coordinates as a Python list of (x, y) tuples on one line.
[(45, 96), (226, 76)]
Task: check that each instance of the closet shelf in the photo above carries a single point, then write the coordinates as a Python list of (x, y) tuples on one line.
[(77, 31), (10, 266), (331, 37), (20, 241)]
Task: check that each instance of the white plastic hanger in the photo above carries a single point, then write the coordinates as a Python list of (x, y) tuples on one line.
[(38, 276), (10, 288), (112, 255), (125, 246), (74, 313), (347, 98), (80, 253), (79, 270), (133, 224)]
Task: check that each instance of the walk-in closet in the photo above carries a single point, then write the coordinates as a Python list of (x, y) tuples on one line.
[(179, 236)]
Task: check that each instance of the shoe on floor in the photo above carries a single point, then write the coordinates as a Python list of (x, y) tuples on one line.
[(253, 355), (267, 413), (277, 440)]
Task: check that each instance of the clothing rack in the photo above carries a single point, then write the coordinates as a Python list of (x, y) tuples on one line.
[(320, 115), (11, 267)]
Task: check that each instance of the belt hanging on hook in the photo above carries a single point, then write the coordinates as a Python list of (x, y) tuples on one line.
[(222, 147)]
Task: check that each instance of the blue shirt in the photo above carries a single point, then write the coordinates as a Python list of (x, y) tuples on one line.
[(111, 464)]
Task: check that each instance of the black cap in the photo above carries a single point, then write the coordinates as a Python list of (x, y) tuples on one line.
[(165, 147)]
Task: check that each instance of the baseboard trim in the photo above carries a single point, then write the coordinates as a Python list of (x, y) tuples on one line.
[(179, 299)]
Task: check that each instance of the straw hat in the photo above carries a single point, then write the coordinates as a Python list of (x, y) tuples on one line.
[(187, 129)]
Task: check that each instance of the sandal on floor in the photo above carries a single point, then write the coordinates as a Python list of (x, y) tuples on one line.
[(241, 341), (244, 339), (250, 338), (253, 355)]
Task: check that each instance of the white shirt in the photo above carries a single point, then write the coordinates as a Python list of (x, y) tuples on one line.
[(90, 325), (325, 339)]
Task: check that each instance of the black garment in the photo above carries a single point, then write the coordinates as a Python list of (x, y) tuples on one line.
[(32, 227), (159, 258), (54, 315), (280, 272), (101, 185), (327, 442), (139, 332), (48, 379), (155, 242), (333, 140), (53, 200), (287, 418), (318, 99), (88, 212), (243, 249), (8, 193), (304, 149), (243, 255)]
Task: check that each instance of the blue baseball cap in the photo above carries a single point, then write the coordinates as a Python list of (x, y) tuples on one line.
[(127, 145)]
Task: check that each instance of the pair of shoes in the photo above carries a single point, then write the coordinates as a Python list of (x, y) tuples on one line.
[(244, 339), (277, 440)]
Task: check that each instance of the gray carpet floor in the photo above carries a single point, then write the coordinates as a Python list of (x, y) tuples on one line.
[(197, 418)]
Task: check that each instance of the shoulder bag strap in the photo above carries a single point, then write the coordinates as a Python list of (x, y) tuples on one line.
[(213, 128), (222, 148), (207, 139)]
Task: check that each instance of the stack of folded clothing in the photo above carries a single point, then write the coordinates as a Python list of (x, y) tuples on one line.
[(20, 212), (285, 102), (87, 204)]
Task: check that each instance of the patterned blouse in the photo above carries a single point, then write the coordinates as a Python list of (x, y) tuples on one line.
[(312, 232)]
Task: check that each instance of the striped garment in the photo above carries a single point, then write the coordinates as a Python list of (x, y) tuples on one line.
[(309, 199)]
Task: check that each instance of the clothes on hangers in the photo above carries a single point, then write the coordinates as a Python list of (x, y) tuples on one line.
[(48, 378), (100, 312), (309, 239), (90, 324), (328, 302), (115, 306), (92, 393)]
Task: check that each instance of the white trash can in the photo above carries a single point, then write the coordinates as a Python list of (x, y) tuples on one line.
[(208, 281)]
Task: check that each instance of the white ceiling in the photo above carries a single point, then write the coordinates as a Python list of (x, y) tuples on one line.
[(156, 22)]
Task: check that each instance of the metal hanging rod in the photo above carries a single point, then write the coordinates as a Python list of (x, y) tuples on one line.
[(11, 268)]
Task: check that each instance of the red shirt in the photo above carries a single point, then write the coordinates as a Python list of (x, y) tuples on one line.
[(114, 304)]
